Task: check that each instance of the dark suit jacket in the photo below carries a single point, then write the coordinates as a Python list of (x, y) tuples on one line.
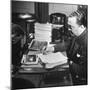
[(76, 49)]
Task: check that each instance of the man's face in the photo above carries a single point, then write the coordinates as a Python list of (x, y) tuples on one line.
[(72, 22)]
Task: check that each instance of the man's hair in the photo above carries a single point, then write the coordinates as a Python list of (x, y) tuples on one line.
[(81, 17)]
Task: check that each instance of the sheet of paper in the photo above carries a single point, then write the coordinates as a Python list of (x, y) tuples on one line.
[(53, 57)]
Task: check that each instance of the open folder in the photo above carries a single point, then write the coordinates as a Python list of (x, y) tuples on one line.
[(37, 45), (53, 59)]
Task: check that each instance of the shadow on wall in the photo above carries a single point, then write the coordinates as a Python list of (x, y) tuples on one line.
[(62, 8)]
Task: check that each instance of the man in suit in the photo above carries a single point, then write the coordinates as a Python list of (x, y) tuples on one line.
[(76, 47)]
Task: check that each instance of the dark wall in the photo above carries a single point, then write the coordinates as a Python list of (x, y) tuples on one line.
[(22, 7)]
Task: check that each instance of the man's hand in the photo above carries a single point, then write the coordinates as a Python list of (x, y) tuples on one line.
[(48, 50)]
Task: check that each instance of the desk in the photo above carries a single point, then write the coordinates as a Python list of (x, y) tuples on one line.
[(40, 77)]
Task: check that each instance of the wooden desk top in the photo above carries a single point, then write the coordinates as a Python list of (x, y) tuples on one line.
[(38, 68)]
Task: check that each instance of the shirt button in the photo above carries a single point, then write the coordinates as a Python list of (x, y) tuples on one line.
[(71, 62), (78, 55)]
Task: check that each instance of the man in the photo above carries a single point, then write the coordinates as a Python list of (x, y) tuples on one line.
[(17, 35), (76, 48)]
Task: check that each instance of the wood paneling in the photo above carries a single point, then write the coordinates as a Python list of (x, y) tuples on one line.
[(22, 7)]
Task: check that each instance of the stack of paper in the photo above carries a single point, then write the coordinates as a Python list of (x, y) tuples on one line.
[(43, 32), (53, 59)]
